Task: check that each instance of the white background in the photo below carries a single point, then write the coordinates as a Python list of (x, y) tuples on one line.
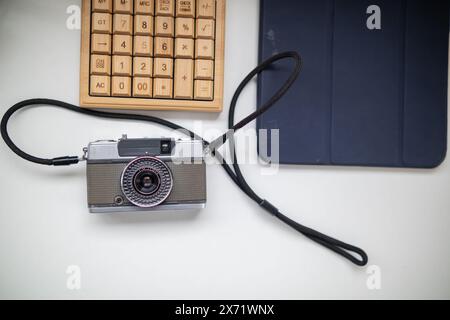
[(232, 249)]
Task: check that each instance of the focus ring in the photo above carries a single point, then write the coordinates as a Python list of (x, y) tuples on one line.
[(151, 164)]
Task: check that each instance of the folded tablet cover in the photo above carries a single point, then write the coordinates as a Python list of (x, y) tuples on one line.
[(366, 96)]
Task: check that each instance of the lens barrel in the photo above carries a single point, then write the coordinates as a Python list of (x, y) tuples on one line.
[(146, 182)]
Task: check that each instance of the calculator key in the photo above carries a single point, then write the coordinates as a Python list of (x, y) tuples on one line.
[(163, 47), (143, 25), (206, 9), (204, 49), (122, 44), (121, 86), (123, 6), (102, 6), (100, 64), (203, 90), (184, 27), (123, 24), (184, 48), (121, 66), (142, 87), (143, 46), (162, 88), (142, 67), (205, 29), (164, 7), (164, 26), (143, 7), (183, 79), (101, 43), (163, 68), (185, 8), (204, 69), (100, 86), (101, 23)]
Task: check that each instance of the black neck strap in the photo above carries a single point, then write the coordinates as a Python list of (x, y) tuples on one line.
[(352, 253)]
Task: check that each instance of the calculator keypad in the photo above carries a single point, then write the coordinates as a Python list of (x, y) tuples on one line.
[(160, 49)]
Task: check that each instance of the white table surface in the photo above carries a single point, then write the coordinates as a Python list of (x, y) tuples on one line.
[(232, 249)]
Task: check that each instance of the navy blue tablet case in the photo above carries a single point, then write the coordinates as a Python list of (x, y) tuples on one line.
[(364, 97)]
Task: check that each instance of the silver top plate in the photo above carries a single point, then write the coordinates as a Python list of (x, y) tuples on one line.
[(108, 150)]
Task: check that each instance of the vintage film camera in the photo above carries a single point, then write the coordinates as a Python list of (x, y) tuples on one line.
[(145, 175)]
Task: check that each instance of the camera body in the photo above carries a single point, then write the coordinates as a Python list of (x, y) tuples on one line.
[(145, 175)]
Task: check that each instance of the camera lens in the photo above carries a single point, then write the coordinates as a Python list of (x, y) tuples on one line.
[(146, 182)]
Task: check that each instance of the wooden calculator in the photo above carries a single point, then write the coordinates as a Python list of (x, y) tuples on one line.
[(152, 54)]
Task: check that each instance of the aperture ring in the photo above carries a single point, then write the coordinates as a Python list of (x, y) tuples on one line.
[(152, 164)]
